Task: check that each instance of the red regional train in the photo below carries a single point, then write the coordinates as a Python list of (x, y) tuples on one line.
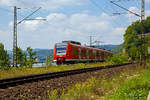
[(74, 52)]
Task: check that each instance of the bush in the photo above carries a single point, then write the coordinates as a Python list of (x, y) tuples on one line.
[(4, 58), (136, 88), (118, 59)]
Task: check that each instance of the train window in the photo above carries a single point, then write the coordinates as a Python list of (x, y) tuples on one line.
[(97, 53), (61, 48), (84, 52), (90, 52), (76, 53), (87, 52), (94, 53)]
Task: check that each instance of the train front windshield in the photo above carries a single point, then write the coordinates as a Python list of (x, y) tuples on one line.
[(61, 48)]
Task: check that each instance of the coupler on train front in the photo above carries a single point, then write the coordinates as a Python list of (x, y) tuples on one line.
[(60, 61)]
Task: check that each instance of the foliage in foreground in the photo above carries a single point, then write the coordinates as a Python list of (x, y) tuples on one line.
[(118, 49), (118, 59), (130, 85), (133, 89), (134, 45), (4, 58), (25, 58)]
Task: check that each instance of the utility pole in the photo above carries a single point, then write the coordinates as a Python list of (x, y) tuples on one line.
[(90, 40), (143, 10), (15, 38), (142, 24), (142, 28), (98, 43), (15, 32), (142, 16), (125, 9)]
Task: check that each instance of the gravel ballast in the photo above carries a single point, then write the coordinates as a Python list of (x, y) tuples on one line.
[(38, 90)]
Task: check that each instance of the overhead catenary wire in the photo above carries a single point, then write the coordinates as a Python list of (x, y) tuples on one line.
[(118, 18), (117, 12), (100, 8), (125, 9), (29, 15), (123, 4)]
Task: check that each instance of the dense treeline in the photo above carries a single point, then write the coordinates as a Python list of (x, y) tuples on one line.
[(135, 45)]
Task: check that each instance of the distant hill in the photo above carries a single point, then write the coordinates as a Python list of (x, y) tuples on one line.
[(118, 49), (107, 47), (41, 53)]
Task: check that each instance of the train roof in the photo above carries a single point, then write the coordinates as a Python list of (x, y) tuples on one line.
[(91, 47), (79, 44), (73, 42)]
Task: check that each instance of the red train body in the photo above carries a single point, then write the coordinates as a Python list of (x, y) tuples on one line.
[(71, 52)]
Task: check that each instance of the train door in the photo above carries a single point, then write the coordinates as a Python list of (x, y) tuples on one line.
[(94, 54), (87, 54), (79, 53)]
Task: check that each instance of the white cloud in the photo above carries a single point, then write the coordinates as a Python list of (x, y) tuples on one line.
[(32, 25), (5, 38), (147, 13), (59, 27), (114, 36), (132, 17), (89, 23), (5, 2), (147, 0), (45, 4)]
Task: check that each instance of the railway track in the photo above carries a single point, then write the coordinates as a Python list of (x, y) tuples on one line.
[(5, 83)]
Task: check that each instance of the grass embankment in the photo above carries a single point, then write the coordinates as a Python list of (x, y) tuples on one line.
[(129, 85), (21, 71)]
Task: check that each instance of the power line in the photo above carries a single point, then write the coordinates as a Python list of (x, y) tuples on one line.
[(29, 15), (92, 1), (100, 8), (125, 9), (116, 21)]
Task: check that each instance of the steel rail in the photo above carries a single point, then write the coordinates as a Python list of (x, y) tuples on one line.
[(5, 83)]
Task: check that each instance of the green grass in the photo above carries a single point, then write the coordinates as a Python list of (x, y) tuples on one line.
[(129, 85), (13, 72), (136, 88)]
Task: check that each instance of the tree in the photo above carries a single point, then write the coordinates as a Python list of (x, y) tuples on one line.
[(31, 56), (20, 56), (135, 46), (24, 62), (4, 57), (49, 60)]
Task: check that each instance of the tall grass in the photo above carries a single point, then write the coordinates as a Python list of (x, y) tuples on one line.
[(136, 88), (129, 85)]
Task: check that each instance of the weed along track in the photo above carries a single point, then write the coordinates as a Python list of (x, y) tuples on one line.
[(37, 86)]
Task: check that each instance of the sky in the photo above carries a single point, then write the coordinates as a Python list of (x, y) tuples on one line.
[(67, 20)]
